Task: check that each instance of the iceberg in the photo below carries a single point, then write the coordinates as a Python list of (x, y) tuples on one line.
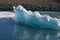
[(35, 19)]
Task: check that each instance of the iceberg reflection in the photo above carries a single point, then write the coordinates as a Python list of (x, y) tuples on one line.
[(22, 32)]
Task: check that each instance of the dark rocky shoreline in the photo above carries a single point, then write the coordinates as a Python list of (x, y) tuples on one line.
[(33, 7)]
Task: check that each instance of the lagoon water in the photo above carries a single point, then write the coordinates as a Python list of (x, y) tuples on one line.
[(11, 31)]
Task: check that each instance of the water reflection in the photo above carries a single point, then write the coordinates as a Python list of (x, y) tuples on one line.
[(23, 32)]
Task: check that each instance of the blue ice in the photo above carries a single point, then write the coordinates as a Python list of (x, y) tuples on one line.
[(35, 19)]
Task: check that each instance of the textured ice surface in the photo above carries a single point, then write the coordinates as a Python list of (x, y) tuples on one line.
[(35, 19)]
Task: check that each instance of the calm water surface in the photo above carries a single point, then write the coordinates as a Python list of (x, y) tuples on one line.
[(11, 31)]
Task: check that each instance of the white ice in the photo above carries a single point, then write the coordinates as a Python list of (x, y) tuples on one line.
[(6, 14)]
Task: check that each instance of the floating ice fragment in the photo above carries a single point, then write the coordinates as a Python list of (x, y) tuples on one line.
[(35, 19)]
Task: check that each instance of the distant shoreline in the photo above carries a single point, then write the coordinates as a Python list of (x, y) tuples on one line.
[(32, 7)]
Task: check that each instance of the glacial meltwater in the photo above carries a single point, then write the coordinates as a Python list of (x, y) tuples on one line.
[(11, 31)]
